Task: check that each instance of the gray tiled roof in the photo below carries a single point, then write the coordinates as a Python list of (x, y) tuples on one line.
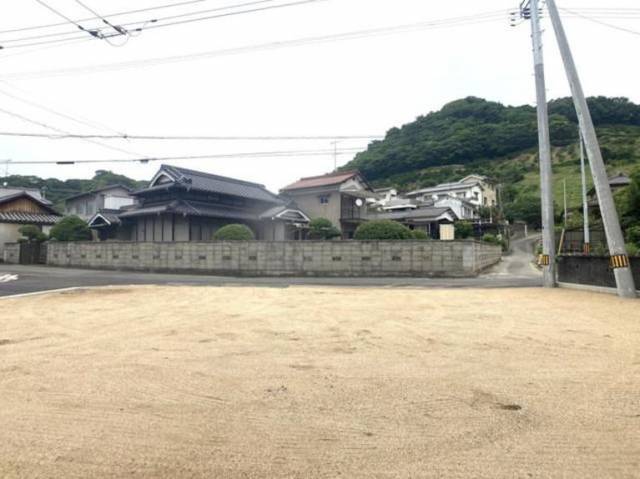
[(207, 182), (10, 191), (418, 214), (192, 208), (291, 213), (28, 218)]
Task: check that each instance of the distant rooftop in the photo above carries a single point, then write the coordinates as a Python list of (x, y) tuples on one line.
[(330, 179)]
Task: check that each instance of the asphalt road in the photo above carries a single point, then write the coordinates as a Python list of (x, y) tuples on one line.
[(515, 270)]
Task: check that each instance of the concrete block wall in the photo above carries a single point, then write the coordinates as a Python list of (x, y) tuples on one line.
[(11, 253), (284, 258)]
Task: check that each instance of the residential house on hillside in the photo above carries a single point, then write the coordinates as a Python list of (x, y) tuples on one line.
[(187, 205), (474, 189), (108, 199), (23, 206), (437, 222), (340, 197)]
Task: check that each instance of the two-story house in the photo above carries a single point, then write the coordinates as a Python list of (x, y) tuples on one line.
[(108, 199), (340, 197), (473, 189)]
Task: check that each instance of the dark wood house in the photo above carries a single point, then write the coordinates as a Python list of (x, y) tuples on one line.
[(187, 205), (19, 207)]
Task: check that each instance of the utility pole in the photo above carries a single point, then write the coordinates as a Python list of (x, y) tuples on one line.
[(547, 260), (617, 250), (585, 204), (564, 189), (335, 154)]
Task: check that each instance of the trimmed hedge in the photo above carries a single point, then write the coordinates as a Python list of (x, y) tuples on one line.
[(383, 230), (71, 228), (236, 232), (322, 229)]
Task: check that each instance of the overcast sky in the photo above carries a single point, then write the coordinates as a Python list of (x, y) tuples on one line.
[(363, 86)]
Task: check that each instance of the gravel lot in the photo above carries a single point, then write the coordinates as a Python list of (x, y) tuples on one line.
[(307, 382)]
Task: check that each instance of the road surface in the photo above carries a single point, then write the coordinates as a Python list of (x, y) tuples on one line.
[(515, 270)]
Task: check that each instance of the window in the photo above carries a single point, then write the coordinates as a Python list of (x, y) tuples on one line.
[(324, 199)]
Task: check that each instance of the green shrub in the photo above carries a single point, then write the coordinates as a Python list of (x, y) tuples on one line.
[(235, 232), (71, 228), (322, 229), (633, 249), (383, 230), (493, 239), (464, 229), (32, 234), (419, 235), (633, 235)]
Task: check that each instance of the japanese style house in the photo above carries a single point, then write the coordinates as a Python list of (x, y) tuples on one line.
[(187, 205)]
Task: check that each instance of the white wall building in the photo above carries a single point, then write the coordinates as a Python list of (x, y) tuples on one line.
[(474, 189)]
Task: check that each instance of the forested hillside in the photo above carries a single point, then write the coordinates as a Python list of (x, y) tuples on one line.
[(473, 135), (57, 190)]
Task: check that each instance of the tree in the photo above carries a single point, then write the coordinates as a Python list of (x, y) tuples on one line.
[(464, 229), (71, 228), (235, 232), (322, 229), (419, 235), (383, 230), (32, 234)]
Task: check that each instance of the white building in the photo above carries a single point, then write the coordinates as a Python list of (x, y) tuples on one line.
[(473, 189)]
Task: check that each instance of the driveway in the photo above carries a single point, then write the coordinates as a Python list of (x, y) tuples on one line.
[(514, 271)]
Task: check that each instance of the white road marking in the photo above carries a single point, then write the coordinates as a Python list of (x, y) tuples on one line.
[(5, 278)]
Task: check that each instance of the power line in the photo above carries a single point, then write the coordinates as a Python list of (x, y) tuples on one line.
[(352, 35), (143, 23), (154, 23), (114, 14), (600, 22), (58, 130), (78, 120), (117, 28), (189, 137), (93, 33), (254, 154)]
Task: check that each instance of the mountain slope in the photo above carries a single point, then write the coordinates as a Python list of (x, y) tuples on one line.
[(477, 136)]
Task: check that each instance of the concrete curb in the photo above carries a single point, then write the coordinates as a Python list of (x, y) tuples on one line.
[(590, 288), (49, 291)]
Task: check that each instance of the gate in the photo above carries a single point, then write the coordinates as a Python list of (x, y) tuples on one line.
[(33, 253)]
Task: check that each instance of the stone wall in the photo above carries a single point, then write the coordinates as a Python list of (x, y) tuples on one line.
[(284, 258), (11, 253)]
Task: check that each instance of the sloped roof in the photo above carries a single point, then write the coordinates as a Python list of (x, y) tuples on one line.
[(16, 190), (28, 218), (99, 190), (108, 219), (192, 208), (322, 180), (427, 214), (285, 213), (25, 194), (210, 183)]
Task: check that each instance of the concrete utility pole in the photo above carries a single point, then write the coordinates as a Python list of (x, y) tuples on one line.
[(585, 203), (547, 259), (564, 192), (619, 258)]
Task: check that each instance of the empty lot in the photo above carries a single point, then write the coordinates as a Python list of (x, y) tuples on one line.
[(308, 382)]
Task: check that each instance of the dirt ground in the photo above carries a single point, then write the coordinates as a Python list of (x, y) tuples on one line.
[(311, 382)]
